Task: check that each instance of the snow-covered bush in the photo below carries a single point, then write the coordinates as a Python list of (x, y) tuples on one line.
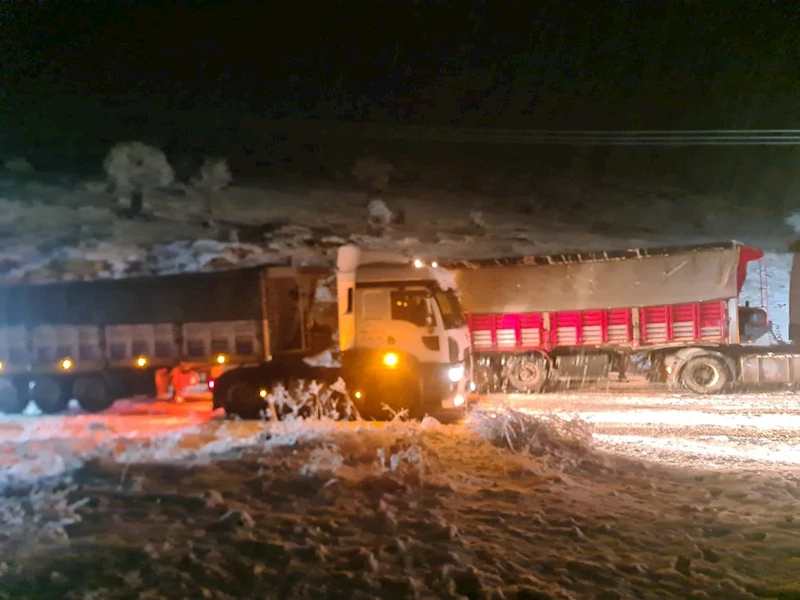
[(565, 440), (324, 461), (373, 172), (38, 519), (477, 220), (213, 176), (134, 168), (793, 221), (379, 216), (18, 165), (310, 400)]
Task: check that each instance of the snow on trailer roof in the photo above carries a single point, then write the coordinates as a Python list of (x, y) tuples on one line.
[(749, 253), (603, 280)]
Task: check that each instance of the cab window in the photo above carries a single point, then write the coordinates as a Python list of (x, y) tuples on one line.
[(411, 306)]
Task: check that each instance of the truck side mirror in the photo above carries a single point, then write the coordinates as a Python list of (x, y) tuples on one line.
[(430, 321)]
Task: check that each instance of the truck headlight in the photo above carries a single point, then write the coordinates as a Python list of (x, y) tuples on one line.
[(391, 360), (455, 374)]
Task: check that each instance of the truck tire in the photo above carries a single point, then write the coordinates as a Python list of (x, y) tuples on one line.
[(484, 378), (705, 374), (49, 395), (527, 373), (93, 394), (13, 400)]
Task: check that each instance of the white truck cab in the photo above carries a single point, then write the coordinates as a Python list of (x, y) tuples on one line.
[(400, 321)]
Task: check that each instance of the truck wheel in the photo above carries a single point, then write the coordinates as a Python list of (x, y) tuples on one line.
[(93, 394), (12, 399), (49, 395), (527, 374), (705, 374), (483, 378)]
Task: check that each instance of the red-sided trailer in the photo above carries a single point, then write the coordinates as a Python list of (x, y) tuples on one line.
[(579, 317)]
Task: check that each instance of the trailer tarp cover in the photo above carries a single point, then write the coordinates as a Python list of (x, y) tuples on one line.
[(681, 277), (189, 297)]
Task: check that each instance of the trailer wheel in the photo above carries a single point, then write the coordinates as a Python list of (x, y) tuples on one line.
[(13, 399), (705, 374), (93, 394), (527, 374), (49, 395)]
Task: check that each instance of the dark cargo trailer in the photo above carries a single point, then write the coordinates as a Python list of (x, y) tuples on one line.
[(101, 340)]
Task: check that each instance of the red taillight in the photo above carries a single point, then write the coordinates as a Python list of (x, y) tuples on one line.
[(211, 384)]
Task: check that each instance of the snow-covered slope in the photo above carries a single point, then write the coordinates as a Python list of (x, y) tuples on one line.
[(51, 231), (768, 283), (59, 231)]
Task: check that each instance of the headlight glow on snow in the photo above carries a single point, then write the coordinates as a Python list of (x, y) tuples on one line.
[(391, 360), (66, 364), (455, 374)]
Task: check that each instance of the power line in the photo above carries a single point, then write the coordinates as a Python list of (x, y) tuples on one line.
[(649, 137)]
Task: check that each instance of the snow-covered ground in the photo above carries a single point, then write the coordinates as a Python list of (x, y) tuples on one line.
[(154, 500), (333, 510), (742, 431), (157, 500)]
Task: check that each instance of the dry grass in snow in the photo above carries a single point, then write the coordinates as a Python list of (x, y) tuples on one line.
[(557, 439), (325, 509)]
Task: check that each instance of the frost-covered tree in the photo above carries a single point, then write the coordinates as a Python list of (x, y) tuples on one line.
[(135, 168), (379, 216), (212, 177)]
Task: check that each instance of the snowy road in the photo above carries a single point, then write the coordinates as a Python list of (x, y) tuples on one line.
[(736, 431), (732, 432)]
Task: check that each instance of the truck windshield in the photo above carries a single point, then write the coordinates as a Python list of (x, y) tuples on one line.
[(449, 306)]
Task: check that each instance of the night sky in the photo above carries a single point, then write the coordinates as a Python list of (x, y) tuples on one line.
[(554, 62), (112, 69)]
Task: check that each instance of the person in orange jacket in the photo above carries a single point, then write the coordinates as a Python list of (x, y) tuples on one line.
[(182, 377)]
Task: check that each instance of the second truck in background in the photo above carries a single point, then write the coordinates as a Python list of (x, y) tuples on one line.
[(550, 321)]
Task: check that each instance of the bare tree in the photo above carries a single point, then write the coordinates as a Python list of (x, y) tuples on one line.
[(213, 176), (135, 168)]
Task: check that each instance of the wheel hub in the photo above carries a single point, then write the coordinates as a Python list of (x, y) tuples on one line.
[(528, 371), (706, 376)]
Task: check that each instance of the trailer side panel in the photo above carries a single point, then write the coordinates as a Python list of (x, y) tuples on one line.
[(664, 325)]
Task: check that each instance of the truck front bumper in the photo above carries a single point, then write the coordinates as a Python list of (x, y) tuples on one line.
[(439, 389)]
